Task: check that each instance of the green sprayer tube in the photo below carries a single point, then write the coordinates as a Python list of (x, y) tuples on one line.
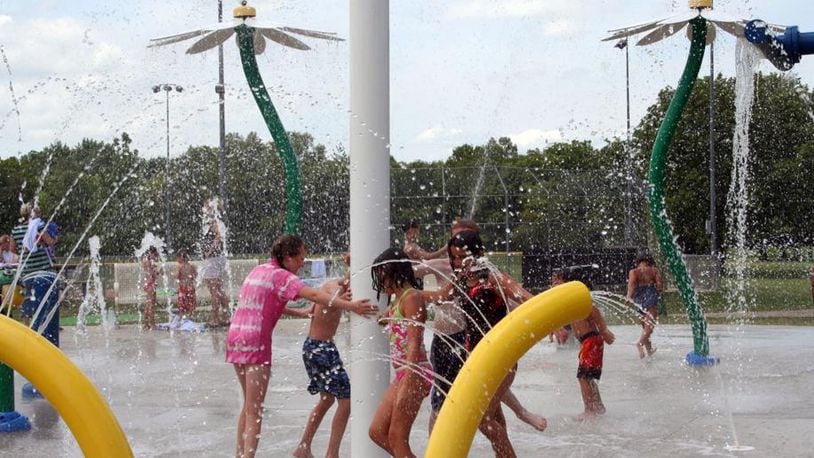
[(658, 213), (6, 388), (245, 42)]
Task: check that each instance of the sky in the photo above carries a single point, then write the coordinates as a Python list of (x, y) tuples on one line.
[(461, 71)]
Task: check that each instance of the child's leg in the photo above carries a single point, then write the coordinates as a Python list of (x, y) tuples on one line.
[(493, 424), (411, 392), (538, 422), (647, 331), (338, 425), (149, 311), (380, 426), (257, 380), (213, 284), (587, 394), (597, 407), (314, 419), (240, 370)]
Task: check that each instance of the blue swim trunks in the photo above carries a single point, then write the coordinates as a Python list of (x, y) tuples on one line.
[(325, 369)]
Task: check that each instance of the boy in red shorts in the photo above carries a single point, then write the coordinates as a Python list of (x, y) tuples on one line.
[(592, 334)]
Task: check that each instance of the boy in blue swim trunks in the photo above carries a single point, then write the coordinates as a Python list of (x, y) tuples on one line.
[(326, 370)]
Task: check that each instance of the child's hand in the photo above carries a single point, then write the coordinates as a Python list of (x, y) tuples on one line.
[(608, 336), (364, 308)]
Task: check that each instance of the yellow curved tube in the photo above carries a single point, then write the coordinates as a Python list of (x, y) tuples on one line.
[(71, 393), (492, 359)]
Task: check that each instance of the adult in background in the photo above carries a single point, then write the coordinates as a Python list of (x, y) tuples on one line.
[(214, 267), (811, 278), (8, 249), (413, 250), (33, 242), (644, 287)]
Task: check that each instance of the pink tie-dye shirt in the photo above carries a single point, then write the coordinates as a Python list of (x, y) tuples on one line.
[(263, 296)]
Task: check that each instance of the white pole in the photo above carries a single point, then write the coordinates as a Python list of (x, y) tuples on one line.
[(369, 205)]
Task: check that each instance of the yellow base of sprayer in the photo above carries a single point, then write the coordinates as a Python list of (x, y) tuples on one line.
[(71, 393), (700, 4), (492, 359)]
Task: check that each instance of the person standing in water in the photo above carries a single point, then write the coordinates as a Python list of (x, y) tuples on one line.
[(149, 278), (325, 369), (404, 320), (483, 294), (448, 351), (262, 300), (187, 274), (593, 334), (214, 267), (644, 286)]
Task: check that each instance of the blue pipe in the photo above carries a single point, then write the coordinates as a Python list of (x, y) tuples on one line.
[(782, 50)]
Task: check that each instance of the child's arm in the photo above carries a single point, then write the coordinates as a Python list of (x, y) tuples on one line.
[(361, 307), (659, 281), (305, 312), (443, 293), (631, 285), (515, 293), (601, 325)]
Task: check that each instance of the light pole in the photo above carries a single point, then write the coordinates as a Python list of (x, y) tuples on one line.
[(167, 88), (623, 44), (220, 90)]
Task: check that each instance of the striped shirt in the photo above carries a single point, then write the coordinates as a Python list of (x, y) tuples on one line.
[(38, 260)]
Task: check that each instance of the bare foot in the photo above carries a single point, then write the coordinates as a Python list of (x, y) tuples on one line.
[(585, 416), (651, 351), (537, 422), (640, 347), (302, 452)]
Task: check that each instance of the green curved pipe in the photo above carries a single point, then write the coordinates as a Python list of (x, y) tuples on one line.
[(245, 42), (658, 213)]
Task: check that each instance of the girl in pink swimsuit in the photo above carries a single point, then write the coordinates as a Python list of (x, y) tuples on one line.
[(405, 317)]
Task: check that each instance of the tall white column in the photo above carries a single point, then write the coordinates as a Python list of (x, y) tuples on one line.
[(369, 205)]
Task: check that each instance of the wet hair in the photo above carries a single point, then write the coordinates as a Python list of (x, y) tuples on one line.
[(645, 257), (183, 253), (394, 265), (582, 274), (462, 224), (412, 224), (287, 245), (469, 241), (25, 212)]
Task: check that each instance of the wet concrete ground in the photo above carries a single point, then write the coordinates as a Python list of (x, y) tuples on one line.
[(174, 396)]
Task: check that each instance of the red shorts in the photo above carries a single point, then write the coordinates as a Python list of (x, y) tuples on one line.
[(186, 300), (590, 356)]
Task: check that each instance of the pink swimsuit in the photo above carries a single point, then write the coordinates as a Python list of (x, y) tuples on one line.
[(397, 332)]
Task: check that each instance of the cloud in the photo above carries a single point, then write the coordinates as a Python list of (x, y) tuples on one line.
[(559, 27), (436, 133), (535, 137), (506, 8)]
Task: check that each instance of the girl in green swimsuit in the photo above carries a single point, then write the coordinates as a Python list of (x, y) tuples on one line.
[(405, 317)]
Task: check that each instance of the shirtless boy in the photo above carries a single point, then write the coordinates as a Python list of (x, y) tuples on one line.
[(593, 334), (326, 370)]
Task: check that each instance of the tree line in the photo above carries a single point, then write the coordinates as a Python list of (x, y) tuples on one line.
[(564, 196)]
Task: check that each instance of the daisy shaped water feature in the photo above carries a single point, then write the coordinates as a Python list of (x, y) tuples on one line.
[(660, 29), (251, 40)]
